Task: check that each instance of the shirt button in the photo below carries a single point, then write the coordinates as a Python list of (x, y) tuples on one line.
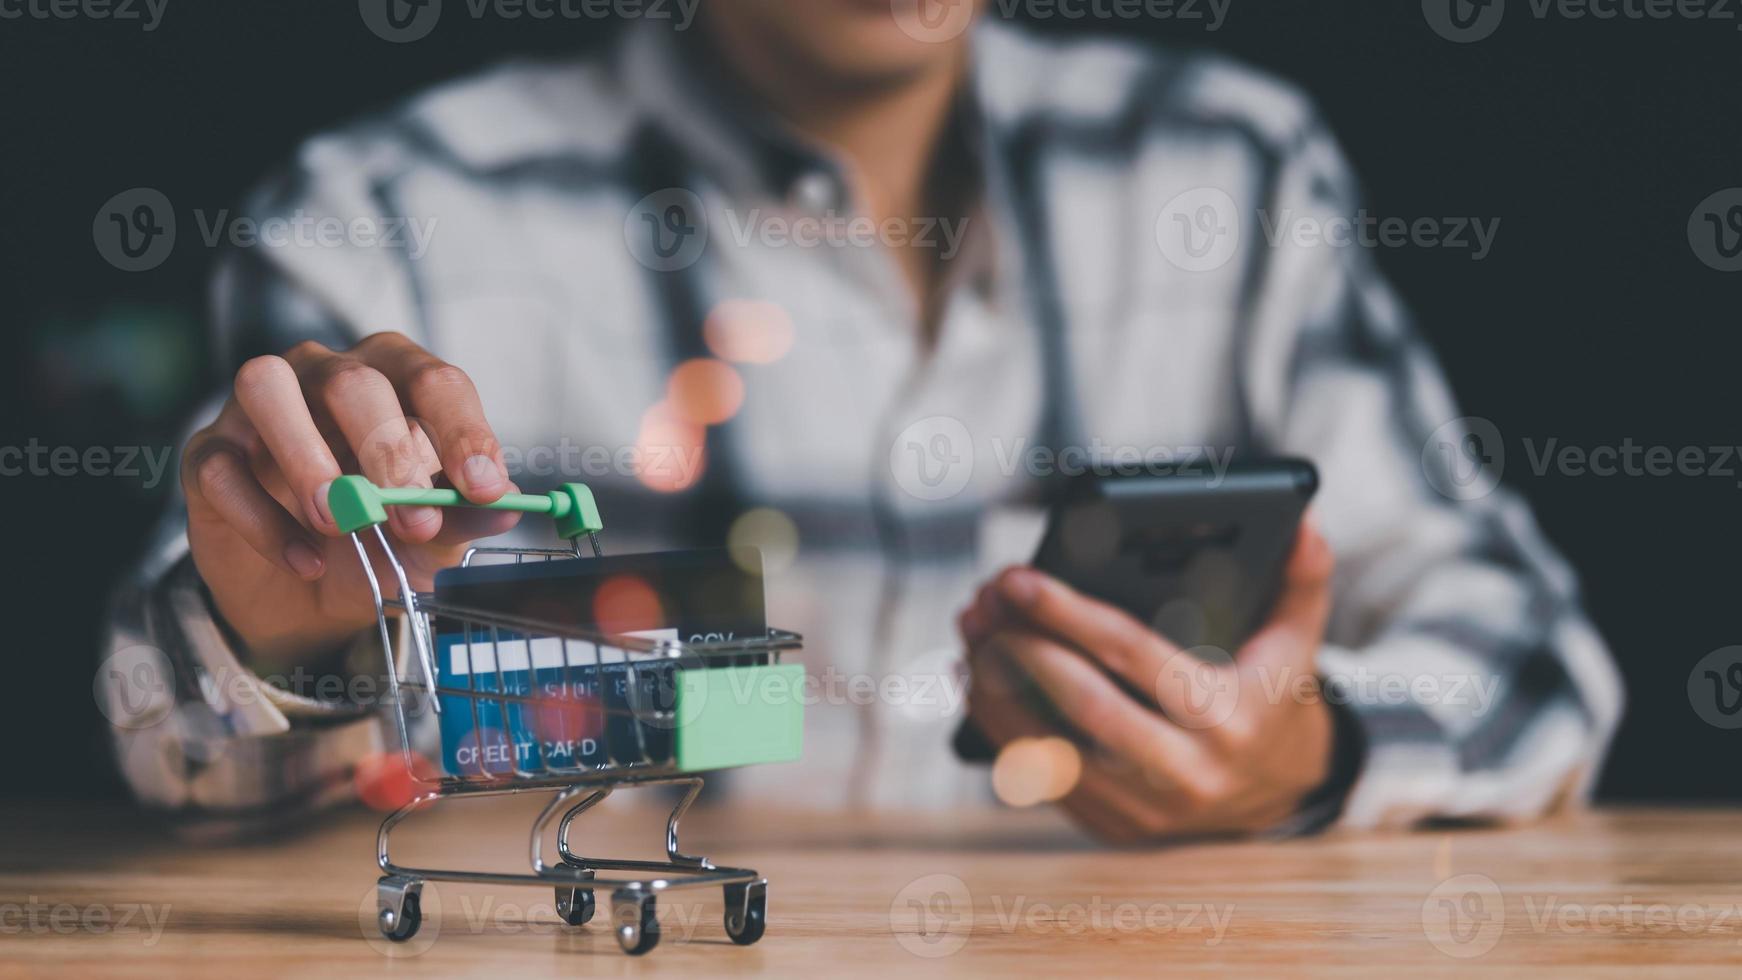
[(814, 191)]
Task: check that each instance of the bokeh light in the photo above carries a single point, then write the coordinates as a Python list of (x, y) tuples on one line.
[(568, 717), (769, 531), (384, 782), (748, 331), (1036, 770), (670, 453), (705, 391), (626, 603)]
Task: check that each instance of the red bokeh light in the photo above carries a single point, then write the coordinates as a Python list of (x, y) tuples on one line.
[(626, 603), (384, 782), (568, 716)]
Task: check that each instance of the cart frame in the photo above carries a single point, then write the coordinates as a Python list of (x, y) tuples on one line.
[(358, 506)]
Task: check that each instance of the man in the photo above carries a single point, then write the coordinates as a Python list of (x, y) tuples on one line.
[(833, 268)]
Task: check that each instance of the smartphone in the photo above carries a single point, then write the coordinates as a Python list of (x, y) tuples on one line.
[(1198, 557)]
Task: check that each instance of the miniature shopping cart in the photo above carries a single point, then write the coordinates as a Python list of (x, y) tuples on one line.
[(679, 730)]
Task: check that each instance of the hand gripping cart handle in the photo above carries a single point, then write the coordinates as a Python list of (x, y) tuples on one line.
[(691, 707)]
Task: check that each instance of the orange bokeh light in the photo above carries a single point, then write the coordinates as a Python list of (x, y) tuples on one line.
[(748, 331), (705, 391), (1036, 770), (669, 450)]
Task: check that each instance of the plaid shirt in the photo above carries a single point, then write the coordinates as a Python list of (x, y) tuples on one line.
[(569, 231)]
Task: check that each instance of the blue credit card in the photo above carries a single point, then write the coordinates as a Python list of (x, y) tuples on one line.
[(579, 705), (558, 726)]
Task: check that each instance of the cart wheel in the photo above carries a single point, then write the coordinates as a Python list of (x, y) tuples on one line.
[(746, 911), (575, 905), (403, 926), (636, 921)]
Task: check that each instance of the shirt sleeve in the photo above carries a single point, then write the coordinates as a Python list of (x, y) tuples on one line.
[(198, 734), (1457, 643), (195, 730)]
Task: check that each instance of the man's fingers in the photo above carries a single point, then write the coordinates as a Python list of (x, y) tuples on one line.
[(461, 525), (1125, 801), (442, 395), (358, 399), (217, 479), (362, 403), (268, 392), (1296, 627), (1188, 689), (1108, 826), (999, 700), (1003, 718), (983, 616), (1131, 650), (1306, 596), (1089, 701)]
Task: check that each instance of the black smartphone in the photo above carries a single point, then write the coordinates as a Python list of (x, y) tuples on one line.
[(1199, 557)]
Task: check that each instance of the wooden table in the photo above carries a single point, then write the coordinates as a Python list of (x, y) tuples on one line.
[(1587, 894)]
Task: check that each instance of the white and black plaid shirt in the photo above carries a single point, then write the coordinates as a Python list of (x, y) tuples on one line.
[(563, 231)]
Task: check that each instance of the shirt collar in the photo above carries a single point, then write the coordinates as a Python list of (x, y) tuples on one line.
[(678, 82), (680, 85)]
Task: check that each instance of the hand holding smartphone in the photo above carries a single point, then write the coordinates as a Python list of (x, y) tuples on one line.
[(1197, 557)]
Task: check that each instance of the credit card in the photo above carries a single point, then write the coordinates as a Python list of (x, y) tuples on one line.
[(589, 705), (561, 728)]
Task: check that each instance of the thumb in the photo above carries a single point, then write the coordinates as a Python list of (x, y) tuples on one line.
[(1296, 627)]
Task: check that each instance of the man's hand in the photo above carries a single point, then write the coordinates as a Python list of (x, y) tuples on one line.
[(256, 480), (1172, 744)]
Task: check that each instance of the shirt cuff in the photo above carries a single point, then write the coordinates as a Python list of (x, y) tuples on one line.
[(1324, 805)]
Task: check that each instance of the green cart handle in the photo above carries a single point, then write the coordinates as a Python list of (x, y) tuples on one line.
[(356, 504)]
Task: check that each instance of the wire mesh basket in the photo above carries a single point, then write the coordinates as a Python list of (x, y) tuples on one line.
[(656, 711)]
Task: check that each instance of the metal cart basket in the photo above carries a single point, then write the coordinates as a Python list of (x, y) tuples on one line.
[(687, 709)]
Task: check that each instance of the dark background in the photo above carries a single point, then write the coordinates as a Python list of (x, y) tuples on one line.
[(1591, 321)]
